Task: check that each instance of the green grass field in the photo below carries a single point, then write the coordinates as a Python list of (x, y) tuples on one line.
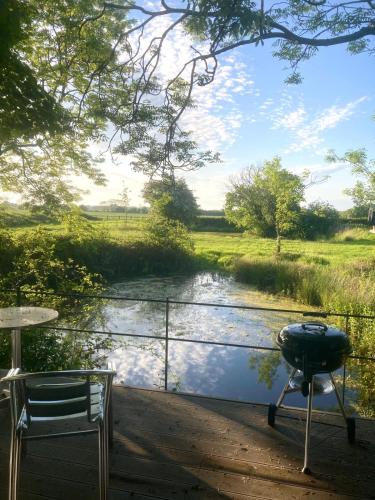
[(334, 252), (216, 247), (222, 247)]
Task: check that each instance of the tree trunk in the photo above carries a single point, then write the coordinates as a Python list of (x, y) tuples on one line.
[(278, 241)]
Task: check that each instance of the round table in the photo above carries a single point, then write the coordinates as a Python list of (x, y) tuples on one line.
[(15, 318)]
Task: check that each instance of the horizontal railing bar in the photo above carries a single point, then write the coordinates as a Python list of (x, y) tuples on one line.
[(157, 337), (225, 344), (98, 332), (207, 304), (361, 358), (176, 339)]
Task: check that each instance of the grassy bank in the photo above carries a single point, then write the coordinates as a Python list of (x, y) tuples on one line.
[(116, 260), (335, 275), (348, 246), (345, 288)]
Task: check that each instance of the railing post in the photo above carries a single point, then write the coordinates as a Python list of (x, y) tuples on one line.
[(344, 372), (166, 344)]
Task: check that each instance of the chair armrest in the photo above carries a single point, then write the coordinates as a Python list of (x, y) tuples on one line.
[(12, 376)]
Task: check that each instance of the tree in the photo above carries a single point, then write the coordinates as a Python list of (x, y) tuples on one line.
[(52, 107), (27, 109), (363, 192), (124, 198), (265, 200), (172, 198), (66, 73)]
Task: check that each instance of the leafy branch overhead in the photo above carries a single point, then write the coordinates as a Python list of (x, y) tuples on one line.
[(75, 74), (297, 28)]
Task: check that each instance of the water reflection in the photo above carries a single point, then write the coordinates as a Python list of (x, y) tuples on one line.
[(229, 372)]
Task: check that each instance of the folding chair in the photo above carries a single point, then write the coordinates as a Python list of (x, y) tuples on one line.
[(54, 397)]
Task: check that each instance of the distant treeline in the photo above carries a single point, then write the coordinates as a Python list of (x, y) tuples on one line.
[(218, 224)]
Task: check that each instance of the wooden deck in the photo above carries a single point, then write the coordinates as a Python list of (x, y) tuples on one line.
[(185, 447)]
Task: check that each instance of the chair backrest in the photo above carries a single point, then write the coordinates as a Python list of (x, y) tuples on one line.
[(59, 395)]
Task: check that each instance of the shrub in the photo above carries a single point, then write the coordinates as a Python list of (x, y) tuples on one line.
[(354, 234), (318, 220), (215, 224), (30, 261)]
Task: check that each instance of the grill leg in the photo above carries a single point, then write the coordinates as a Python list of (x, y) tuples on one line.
[(338, 397), (285, 390), (306, 469), (349, 421), (272, 408)]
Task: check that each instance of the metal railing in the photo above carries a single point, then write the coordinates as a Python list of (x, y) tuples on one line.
[(167, 338)]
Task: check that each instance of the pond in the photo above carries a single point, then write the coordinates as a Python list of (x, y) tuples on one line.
[(220, 371)]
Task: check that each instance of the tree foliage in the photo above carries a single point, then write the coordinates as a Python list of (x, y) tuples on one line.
[(318, 220), (363, 192), (265, 200), (27, 109), (172, 199), (74, 71), (168, 234), (29, 260), (67, 74), (297, 29), (55, 99)]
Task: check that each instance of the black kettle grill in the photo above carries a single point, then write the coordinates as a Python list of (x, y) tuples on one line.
[(312, 348)]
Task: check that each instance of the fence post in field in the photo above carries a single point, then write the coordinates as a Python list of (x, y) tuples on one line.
[(18, 296)]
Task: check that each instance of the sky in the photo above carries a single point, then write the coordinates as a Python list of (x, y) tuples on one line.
[(249, 114)]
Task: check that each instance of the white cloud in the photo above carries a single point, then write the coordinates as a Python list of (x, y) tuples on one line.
[(293, 119), (307, 128), (330, 117), (212, 122)]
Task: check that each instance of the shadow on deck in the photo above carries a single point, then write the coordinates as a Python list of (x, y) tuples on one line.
[(176, 446)]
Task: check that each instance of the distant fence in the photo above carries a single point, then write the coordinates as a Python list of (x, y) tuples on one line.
[(124, 217), (355, 221)]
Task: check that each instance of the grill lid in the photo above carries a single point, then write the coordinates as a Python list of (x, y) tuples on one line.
[(313, 335)]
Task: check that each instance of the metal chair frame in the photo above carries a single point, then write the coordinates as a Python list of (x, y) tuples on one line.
[(22, 418)]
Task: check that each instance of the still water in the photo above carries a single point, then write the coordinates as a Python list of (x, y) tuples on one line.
[(228, 372)]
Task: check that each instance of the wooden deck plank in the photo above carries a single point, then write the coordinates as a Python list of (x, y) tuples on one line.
[(177, 446), (195, 459)]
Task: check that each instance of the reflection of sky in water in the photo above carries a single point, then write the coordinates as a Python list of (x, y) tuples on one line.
[(221, 371)]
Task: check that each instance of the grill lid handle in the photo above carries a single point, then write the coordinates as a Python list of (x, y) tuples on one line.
[(315, 325)]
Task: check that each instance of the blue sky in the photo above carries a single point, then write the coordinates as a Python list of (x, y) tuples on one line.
[(250, 115)]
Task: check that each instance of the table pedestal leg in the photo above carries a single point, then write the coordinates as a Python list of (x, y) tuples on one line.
[(16, 347)]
